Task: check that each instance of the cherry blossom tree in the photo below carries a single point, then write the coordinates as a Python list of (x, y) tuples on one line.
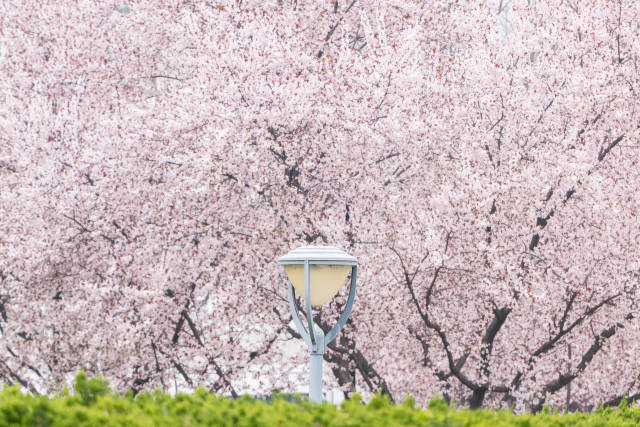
[(156, 158)]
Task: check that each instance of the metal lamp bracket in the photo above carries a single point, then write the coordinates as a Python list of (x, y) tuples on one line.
[(312, 334)]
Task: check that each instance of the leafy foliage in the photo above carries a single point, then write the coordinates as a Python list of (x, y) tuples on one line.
[(94, 404)]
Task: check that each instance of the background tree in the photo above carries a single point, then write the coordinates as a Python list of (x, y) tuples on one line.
[(156, 159)]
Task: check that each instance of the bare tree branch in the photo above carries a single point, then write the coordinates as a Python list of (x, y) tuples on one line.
[(603, 152), (567, 378)]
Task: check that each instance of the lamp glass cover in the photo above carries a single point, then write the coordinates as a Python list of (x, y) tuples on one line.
[(324, 280)]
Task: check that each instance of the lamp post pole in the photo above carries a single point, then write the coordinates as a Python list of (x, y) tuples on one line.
[(312, 334), (315, 375)]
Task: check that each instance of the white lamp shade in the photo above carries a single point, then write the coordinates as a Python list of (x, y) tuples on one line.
[(324, 280), (328, 269)]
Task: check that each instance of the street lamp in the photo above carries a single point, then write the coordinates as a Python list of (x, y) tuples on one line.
[(318, 272)]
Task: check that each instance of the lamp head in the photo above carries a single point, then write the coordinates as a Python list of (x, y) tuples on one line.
[(328, 269)]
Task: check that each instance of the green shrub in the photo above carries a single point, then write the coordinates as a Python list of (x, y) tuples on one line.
[(94, 404), (90, 389)]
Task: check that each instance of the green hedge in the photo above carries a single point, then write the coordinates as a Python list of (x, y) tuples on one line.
[(93, 404)]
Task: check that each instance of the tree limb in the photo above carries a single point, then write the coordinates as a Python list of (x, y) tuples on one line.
[(434, 326), (603, 152), (567, 378)]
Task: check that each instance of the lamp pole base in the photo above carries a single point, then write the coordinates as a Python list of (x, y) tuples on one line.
[(315, 377)]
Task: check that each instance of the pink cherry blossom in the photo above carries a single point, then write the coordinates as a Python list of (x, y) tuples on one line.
[(480, 162)]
